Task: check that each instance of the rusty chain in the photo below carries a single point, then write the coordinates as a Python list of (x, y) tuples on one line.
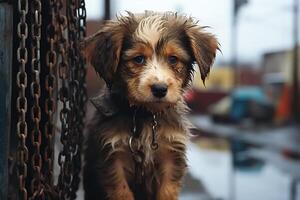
[(63, 71), (62, 59), (82, 62), (37, 189), (50, 103), (22, 57), (81, 97), (73, 88), (75, 14), (72, 80)]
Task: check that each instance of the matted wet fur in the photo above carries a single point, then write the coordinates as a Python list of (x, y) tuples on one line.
[(147, 63)]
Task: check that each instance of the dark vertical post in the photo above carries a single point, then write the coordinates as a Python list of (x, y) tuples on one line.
[(234, 39), (6, 26), (295, 71), (235, 83), (237, 4), (107, 7), (293, 190)]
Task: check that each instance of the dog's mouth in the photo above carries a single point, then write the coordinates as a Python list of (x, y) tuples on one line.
[(153, 105), (158, 101), (156, 105)]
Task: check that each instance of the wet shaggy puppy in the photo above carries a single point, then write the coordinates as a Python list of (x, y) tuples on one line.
[(137, 139)]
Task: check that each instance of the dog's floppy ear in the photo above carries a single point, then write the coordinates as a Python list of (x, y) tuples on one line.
[(204, 47), (103, 50)]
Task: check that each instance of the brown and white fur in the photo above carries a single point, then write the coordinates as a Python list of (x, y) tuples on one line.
[(132, 54)]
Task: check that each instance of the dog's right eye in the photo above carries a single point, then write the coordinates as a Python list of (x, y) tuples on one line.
[(139, 60)]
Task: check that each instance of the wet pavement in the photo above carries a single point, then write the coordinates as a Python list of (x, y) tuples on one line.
[(213, 168), (209, 178)]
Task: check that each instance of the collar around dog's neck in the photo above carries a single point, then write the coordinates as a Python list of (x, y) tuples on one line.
[(109, 106)]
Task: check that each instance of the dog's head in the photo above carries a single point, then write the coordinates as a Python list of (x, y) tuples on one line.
[(151, 56)]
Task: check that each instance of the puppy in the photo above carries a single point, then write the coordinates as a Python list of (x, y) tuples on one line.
[(137, 139)]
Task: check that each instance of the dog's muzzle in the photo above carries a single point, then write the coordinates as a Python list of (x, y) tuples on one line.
[(159, 90)]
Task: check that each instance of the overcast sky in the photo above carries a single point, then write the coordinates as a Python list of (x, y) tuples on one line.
[(263, 25)]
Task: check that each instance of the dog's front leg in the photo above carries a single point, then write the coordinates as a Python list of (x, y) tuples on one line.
[(172, 169), (115, 182)]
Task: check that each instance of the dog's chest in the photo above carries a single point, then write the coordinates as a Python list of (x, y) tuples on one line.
[(165, 136), (148, 137)]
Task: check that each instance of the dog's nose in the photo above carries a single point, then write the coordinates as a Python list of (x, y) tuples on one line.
[(159, 90)]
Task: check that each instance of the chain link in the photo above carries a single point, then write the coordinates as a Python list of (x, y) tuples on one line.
[(63, 72), (63, 34), (50, 103), (22, 57), (36, 159), (82, 65), (81, 97), (154, 144), (73, 11)]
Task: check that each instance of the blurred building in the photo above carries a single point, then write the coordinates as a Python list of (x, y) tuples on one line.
[(278, 79), (221, 78), (277, 66)]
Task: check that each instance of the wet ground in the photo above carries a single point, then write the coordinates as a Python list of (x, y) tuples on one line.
[(214, 169), (210, 178)]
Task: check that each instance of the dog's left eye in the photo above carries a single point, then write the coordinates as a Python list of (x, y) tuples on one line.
[(172, 60), (139, 60)]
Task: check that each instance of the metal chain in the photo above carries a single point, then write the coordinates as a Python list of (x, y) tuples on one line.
[(154, 144), (81, 97), (63, 72), (50, 104), (72, 74), (137, 150), (72, 95), (74, 58), (132, 143), (22, 57), (82, 67), (37, 189)]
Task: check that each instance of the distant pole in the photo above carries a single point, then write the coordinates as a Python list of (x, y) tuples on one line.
[(232, 186), (234, 39), (295, 71), (237, 4), (107, 7)]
